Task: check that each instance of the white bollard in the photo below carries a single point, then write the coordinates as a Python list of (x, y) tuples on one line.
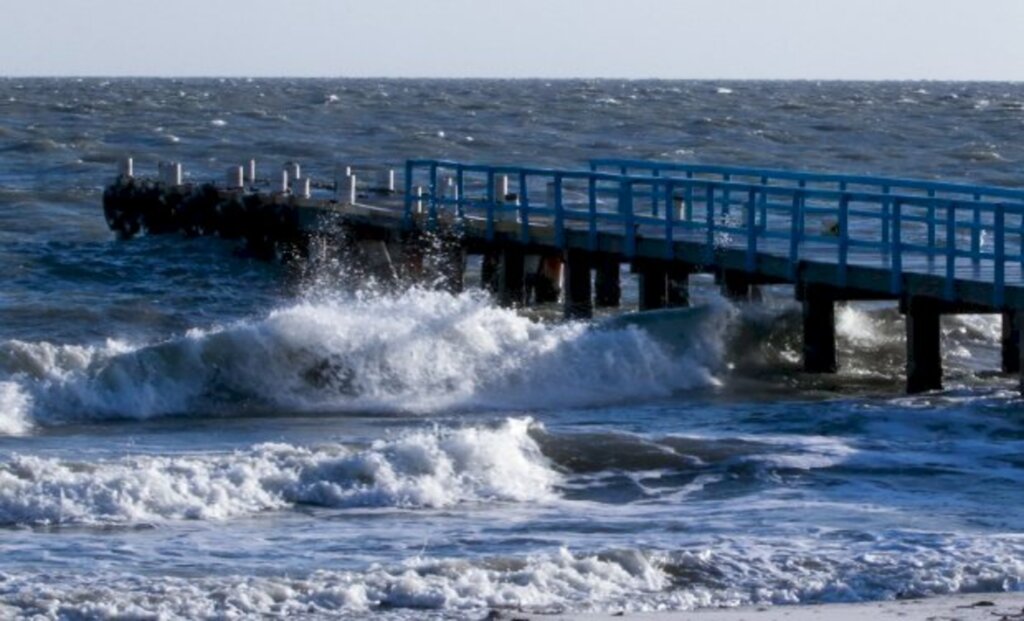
[(284, 181), (236, 178), (386, 180), (449, 189), (301, 187), (252, 172), (419, 199), (294, 170), (341, 175), (352, 189), (170, 173), (127, 168), (500, 188)]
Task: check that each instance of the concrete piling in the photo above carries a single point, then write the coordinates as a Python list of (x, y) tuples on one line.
[(252, 172), (653, 283), (547, 280), (819, 328), (735, 286), (490, 263), (452, 268), (578, 299), (1010, 342), (924, 352), (678, 294), (607, 282), (511, 277)]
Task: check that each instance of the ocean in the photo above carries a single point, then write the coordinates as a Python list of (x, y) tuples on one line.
[(187, 432)]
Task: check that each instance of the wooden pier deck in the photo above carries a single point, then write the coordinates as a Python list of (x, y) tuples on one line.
[(932, 247)]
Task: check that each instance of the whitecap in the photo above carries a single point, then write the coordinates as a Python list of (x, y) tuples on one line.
[(422, 469)]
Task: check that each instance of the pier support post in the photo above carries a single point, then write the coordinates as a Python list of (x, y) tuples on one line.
[(511, 277), (547, 281), (819, 331), (578, 302), (653, 285), (489, 265), (607, 283), (924, 352), (678, 286), (449, 258), (735, 286), (1011, 345)]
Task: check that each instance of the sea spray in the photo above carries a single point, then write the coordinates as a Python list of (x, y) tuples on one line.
[(418, 469), (418, 351)]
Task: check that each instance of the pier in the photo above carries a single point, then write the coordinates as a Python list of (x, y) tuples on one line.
[(546, 235)]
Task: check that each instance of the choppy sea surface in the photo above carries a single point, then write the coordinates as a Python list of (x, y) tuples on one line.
[(189, 433)]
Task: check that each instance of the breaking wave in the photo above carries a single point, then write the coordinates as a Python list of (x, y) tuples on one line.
[(419, 352), (422, 469)]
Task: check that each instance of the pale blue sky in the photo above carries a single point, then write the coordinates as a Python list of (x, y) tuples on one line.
[(866, 39)]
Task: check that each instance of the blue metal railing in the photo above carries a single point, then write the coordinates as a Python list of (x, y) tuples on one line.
[(904, 225)]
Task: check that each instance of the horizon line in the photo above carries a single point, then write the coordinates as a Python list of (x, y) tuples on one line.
[(83, 76)]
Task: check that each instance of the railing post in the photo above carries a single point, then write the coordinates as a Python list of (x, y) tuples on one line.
[(432, 199), (524, 209), (626, 208), (726, 195), (763, 205), (407, 221), (751, 259), (803, 203), (796, 217), (931, 224), (709, 247), (896, 278), (844, 239), (559, 213), (950, 250), (976, 230), (885, 219), (460, 191), (669, 222), (1000, 256), (654, 193), (490, 203), (592, 213)]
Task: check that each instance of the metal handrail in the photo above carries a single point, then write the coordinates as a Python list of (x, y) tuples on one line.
[(886, 218)]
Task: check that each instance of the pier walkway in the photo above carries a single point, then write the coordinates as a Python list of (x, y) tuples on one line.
[(933, 247)]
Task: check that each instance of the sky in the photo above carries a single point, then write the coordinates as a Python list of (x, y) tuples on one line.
[(691, 39)]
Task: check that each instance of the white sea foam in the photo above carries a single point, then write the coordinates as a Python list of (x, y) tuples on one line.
[(733, 573), (422, 469), (417, 352), (15, 407)]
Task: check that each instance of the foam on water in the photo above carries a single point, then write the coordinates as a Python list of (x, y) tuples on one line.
[(422, 469), (15, 407), (735, 572), (418, 352)]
